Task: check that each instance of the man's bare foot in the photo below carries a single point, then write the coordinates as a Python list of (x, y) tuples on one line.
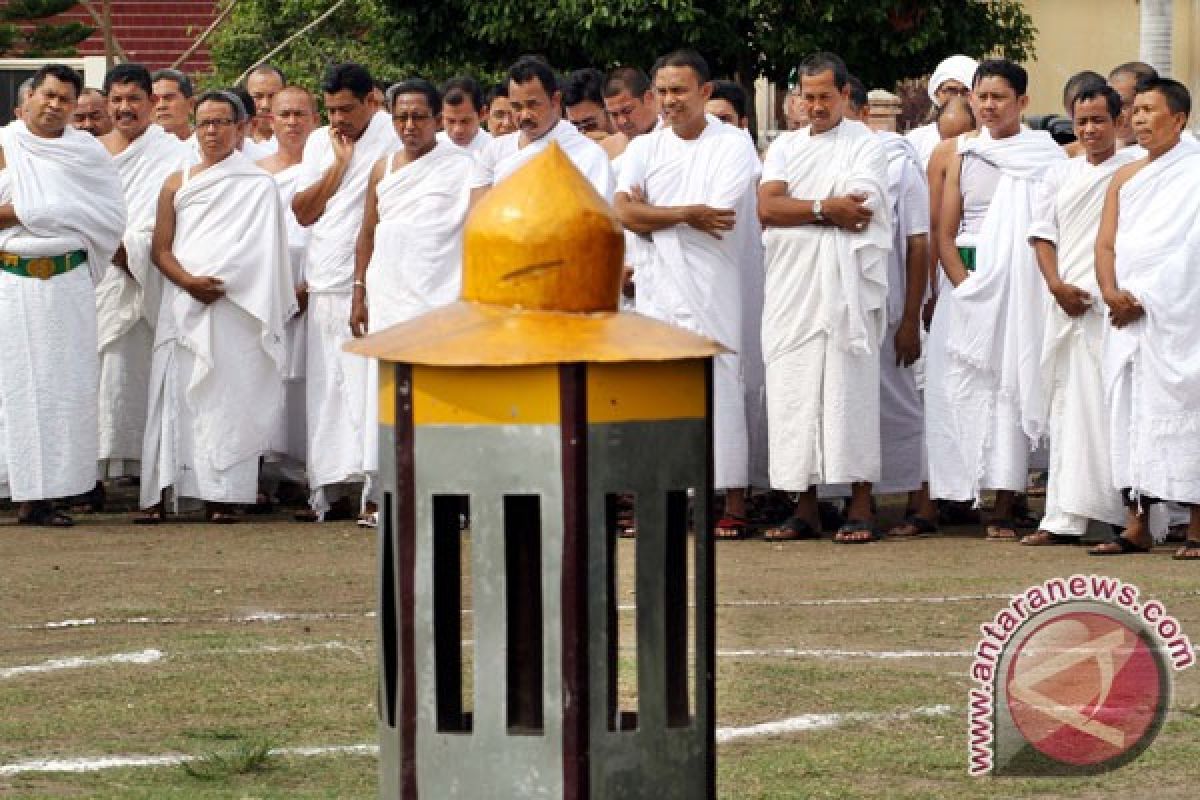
[(1135, 539)]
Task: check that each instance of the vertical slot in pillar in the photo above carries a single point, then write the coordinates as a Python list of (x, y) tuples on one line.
[(451, 596), (620, 511), (676, 588), (523, 595)]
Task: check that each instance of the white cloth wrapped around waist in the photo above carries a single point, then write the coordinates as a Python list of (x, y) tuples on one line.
[(27, 245)]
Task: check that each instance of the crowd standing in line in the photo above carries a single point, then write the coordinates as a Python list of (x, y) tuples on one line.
[(917, 314)]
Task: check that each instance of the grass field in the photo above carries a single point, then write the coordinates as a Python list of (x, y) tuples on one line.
[(234, 646)]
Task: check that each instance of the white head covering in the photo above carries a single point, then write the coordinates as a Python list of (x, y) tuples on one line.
[(954, 68)]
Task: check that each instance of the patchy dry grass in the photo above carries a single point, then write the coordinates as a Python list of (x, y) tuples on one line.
[(228, 688)]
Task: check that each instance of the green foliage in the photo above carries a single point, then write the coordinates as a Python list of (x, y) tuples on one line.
[(365, 31), (882, 40), (42, 39), (244, 758)]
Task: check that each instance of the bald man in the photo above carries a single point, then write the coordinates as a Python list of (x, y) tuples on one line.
[(91, 113)]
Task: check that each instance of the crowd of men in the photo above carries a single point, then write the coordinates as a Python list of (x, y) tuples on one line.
[(916, 314)]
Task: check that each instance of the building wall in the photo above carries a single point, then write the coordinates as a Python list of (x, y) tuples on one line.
[(1075, 35)]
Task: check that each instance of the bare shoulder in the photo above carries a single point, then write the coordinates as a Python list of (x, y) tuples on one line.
[(173, 182), (1122, 175), (615, 145)]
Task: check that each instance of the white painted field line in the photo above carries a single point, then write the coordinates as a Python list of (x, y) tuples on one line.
[(293, 616), (886, 655), (799, 724), (82, 662), (166, 760), (144, 657), (816, 722), (249, 617)]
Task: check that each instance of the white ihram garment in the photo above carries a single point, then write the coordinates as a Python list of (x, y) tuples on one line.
[(824, 312), (901, 409), (127, 303), (1066, 213), (1152, 367), (983, 385), (503, 155), (693, 279), (416, 265), (288, 440), (216, 387), (336, 381), (67, 196)]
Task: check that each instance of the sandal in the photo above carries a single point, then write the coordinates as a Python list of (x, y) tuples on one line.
[(1117, 546), (218, 514), (732, 526), (306, 515), (154, 515), (262, 504), (1189, 546), (793, 530), (912, 527), (853, 533), (1001, 530), (43, 515), (90, 502), (1048, 539)]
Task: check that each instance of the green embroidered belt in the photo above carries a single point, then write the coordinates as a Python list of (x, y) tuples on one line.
[(967, 254), (42, 267)]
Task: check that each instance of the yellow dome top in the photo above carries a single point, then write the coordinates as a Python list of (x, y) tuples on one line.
[(542, 262), (543, 239)]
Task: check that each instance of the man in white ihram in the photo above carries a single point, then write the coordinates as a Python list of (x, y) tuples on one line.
[(60, 209)]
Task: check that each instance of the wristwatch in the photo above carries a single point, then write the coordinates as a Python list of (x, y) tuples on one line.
[(816, 209)]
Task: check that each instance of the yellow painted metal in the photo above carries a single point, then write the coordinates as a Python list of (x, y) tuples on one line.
[(467, 334), (486, 396), (544, 239), (387, 394), (646, 391)]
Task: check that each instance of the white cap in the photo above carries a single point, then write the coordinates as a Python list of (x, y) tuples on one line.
[(955, 68)]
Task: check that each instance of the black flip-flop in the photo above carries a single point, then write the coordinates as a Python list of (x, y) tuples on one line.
[(1125, 547), (793, 530), (923, 527), (857, 526), (43, 516)]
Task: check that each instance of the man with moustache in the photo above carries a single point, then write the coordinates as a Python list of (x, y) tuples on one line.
[(1147, 253), (690, 188), (91, 113), (824, 203), (216, 381), (983, 384), (329, 202), (293, 118), (462, 113), (263, 83), (173, 102), (60, 209), (1066, 219), (127, 298), (537, 108)]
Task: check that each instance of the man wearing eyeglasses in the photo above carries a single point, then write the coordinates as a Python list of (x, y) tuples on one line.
[(337, 165), (952, 78), (216, 384)]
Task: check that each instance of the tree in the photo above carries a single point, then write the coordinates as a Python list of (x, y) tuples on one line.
[(883, 41), (24, 34), (366, 31)]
